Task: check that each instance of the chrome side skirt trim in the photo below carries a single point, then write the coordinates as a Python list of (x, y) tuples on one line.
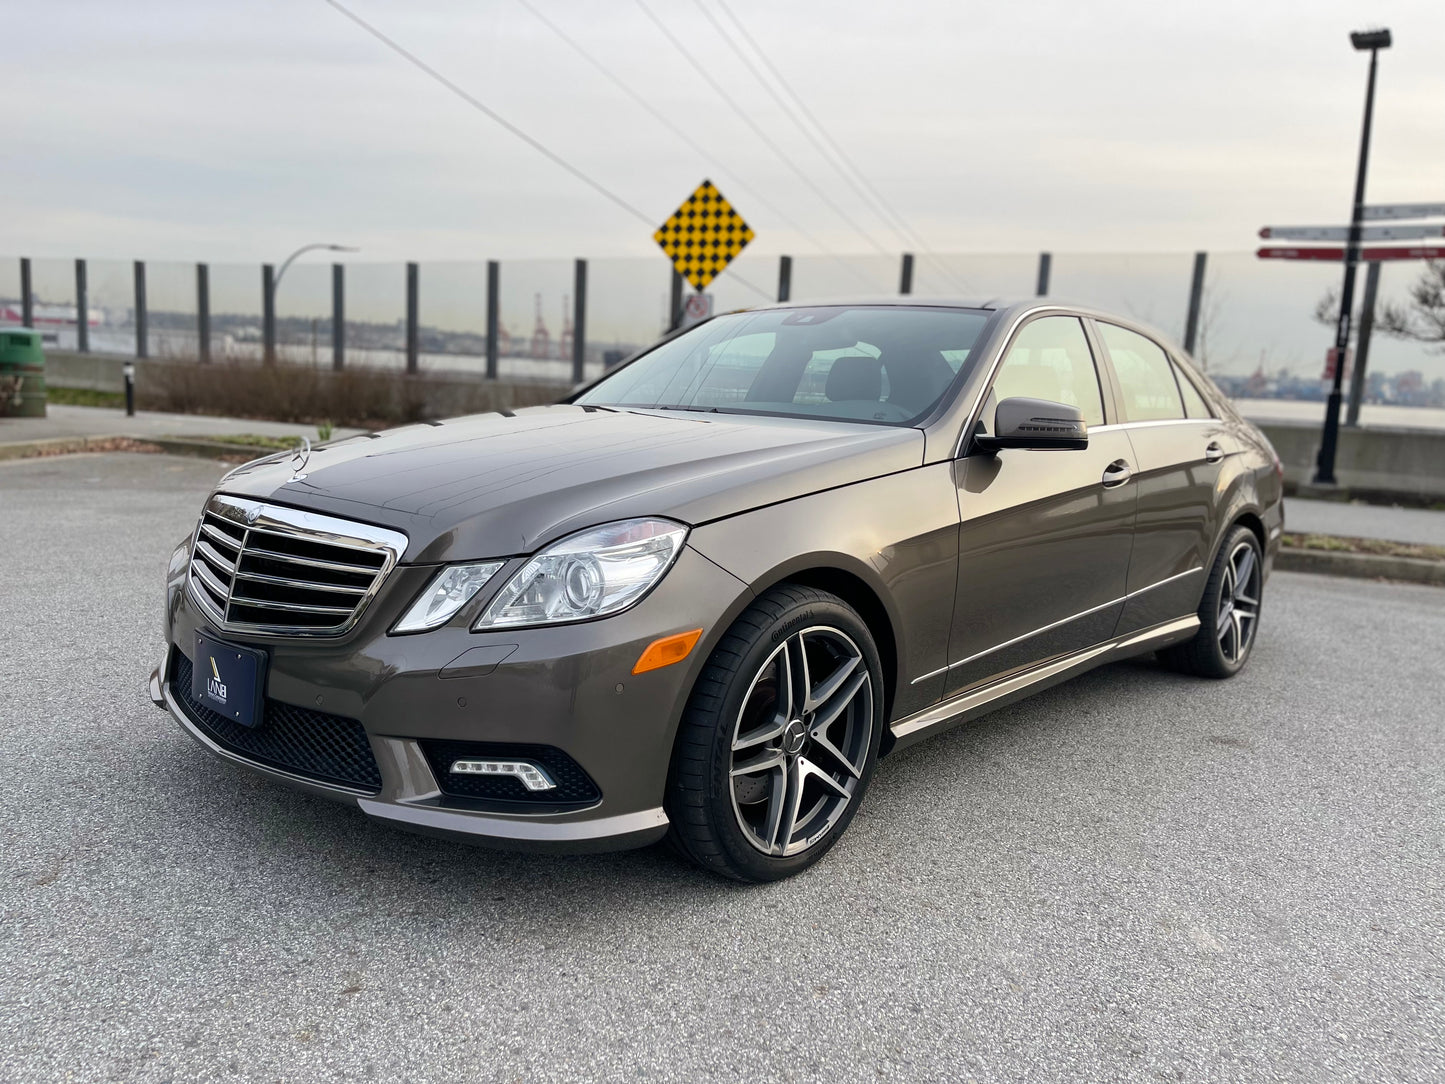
[(1054, 625), (975, 701)]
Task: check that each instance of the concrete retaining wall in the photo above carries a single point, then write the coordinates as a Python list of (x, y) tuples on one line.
[(1399, 462)]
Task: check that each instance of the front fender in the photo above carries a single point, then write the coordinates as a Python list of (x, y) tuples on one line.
[(897, 536)]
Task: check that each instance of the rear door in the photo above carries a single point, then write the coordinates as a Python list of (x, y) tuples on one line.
[(1180, 451), (1045, 535)]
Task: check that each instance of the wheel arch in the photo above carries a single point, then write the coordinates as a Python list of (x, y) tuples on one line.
[(1251, 519), (858, 593)]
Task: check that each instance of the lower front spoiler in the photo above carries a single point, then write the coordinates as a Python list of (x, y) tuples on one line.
[(620, 832)]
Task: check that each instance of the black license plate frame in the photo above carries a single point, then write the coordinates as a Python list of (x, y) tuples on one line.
[(229, 679)]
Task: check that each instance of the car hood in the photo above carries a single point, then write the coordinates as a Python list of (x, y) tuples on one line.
[(496, 485)]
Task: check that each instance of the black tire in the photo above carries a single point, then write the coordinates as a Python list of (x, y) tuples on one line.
[(720, 815), (1225, 639)]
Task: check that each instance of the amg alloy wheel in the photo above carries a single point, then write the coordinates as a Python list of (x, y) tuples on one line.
[(780, 737), (1228, 613), (1238, 610)]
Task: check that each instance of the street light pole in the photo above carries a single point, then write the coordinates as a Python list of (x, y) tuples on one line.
[(1374, 41), (275, 281)]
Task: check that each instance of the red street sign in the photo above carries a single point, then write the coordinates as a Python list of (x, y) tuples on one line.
[(1332, 357), (1367, 255)]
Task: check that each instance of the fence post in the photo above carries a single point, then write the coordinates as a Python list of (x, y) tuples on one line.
[(411, 317), (338, 316), (1196, 298), (785, 277), (494, 286), (579, 321), (27, 308), (674, 318), (82, 309), (1362, 347), (203, 312), (141, 339), (905, 280), (268, 314), (1046, 265)]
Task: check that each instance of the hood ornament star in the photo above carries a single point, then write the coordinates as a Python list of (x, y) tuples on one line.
[(299, 458)]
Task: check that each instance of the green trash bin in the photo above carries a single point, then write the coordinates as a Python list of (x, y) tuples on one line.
[(22, 373)]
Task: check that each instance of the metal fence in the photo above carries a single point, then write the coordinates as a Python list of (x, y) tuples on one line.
[(558, 320)]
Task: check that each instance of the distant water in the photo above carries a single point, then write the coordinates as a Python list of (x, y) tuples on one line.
[(1371, 414)]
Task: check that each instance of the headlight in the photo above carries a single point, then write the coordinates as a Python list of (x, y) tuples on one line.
[(592, 573), (449, 591)]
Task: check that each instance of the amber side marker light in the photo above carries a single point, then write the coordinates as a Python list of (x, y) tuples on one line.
[(666, 651)]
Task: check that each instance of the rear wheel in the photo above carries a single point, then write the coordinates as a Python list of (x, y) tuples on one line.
[(1228, 613), (779, 739)]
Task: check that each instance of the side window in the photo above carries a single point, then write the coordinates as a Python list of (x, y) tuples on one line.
[(1146, 376), (1194, 404), (1050, 359)]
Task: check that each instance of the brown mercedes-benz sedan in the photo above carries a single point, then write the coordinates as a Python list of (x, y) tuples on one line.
[(704, 595)]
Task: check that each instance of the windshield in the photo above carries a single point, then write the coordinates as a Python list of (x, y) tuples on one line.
[(885, 365)]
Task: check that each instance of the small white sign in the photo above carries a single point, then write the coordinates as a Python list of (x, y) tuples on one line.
[(1404, 210), (696, 309), (1342, 233)]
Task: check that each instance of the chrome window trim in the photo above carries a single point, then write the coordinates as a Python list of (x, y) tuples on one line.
[(276, 519), (1155, 422), (1055, 624)]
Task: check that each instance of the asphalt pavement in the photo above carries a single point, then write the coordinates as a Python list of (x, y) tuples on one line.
[(1132, 877)]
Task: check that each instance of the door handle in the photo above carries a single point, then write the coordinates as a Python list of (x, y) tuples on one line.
[(1213, 452), (1116, 474)]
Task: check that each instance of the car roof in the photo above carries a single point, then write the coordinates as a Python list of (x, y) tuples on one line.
[(1002, 304)]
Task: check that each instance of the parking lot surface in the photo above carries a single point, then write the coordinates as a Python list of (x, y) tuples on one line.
[(1135, 876)]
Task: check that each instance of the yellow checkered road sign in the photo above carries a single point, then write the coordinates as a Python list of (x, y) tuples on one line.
[(703, 235)]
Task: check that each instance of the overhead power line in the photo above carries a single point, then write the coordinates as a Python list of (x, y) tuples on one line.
[(878, 201), (788, 111), (677, 130), (535, 144), (471, 100), (732, 103)]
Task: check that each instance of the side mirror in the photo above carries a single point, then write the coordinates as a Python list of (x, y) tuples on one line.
[(1034, 423)]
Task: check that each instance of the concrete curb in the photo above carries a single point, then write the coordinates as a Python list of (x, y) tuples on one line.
[(202, 449), (21, 449), (1365, 566)]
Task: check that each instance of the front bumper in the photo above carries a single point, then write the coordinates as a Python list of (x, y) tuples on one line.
[(568, 687)]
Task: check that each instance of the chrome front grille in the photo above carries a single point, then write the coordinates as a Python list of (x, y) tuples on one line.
[(265, 568)]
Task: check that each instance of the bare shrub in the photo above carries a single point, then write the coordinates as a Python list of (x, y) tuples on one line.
[(368, 398)]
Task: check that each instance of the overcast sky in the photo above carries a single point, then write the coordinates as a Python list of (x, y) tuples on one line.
[(164, 129)]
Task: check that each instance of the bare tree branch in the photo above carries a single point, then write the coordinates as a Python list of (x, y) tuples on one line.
[(1420, 319)]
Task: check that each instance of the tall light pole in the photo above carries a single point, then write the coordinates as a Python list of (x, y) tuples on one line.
[(271, 282), (1374, 41)]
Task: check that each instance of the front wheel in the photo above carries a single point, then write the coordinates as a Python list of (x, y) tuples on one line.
[(779, 738), (1228, 613)]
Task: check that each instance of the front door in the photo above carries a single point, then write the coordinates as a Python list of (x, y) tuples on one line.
[(1045, 536)]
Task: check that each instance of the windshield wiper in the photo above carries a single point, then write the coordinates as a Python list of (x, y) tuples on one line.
[(694, 409)]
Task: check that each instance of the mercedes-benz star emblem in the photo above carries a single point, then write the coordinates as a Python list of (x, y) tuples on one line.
[(299, 458)]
